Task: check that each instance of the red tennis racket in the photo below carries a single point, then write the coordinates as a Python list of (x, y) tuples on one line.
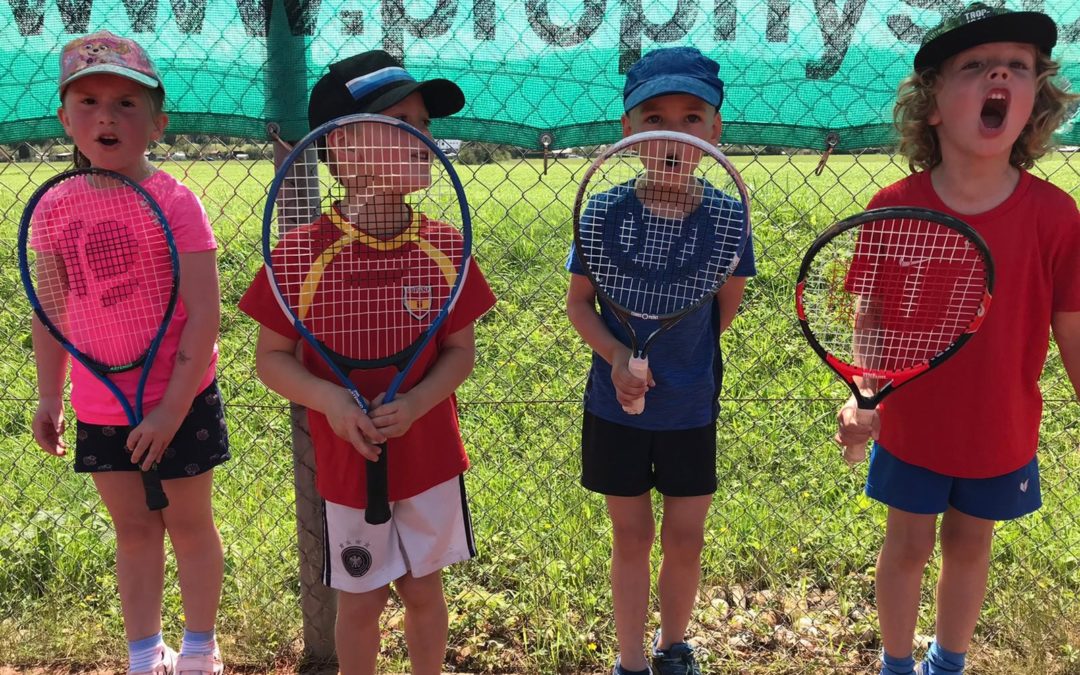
[(888, 295)]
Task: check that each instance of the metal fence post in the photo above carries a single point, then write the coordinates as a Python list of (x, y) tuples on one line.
[(286, 102)]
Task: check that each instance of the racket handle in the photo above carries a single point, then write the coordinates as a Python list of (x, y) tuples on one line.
[(638, 368), (378, 499), (855, 453), (155, 493)]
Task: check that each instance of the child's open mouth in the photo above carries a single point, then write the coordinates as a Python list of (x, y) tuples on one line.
[(994, 109), (108, 141), (671, 162)]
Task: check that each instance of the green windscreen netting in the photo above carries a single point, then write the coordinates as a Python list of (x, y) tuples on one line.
[(793, 70)]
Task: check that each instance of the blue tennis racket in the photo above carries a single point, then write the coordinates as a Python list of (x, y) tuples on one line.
[(366, 242), (660, 222), (100, 267)]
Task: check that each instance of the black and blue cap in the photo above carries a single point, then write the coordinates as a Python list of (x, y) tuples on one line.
[(373, 81), (673, 70), (978, 24)]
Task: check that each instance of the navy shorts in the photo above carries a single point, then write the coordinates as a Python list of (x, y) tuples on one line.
[(914, 489), (200, 444), (622, 461)]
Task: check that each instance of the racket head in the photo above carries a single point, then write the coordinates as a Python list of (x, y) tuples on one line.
[(366, 241), (660, 222), (888, 294), (100, 267)]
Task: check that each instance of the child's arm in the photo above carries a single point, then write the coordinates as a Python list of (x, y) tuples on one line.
[(200, 295), (729, 297), (51, 360), (277, 365), (1066, 327), (457, 355), (851, 433), (581, 310)]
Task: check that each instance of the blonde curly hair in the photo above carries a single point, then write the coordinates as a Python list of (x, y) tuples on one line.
[(915, 102)]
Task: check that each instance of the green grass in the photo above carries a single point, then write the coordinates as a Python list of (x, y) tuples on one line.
[(788, 578)]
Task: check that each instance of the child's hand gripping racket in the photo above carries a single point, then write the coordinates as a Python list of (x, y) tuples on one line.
[(100, 268), (660, 221), (887, 295), (369, 280)]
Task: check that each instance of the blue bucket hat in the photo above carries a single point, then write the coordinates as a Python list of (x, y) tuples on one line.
[(674, 70)]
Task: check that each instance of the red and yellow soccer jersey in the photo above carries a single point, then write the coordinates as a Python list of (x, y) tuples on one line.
[(396, 287), (977, 415)]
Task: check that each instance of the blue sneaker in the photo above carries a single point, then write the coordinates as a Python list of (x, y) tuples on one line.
[(619, 670), (678, 659)]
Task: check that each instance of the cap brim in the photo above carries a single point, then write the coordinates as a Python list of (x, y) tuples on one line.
[(441, 97), (1033, 28), (673, 84), (119, 71)]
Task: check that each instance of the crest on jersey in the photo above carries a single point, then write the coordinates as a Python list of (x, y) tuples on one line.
[(356, 560), (417, 301)]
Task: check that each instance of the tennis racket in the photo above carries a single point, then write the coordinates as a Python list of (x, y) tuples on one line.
[(660, 221), (100, 267), (382, 253), (889, 294)]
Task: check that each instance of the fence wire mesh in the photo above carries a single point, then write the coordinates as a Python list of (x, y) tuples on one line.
[(787, 585)]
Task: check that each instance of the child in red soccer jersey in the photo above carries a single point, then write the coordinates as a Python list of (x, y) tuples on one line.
[(430, 527), (977, 112)]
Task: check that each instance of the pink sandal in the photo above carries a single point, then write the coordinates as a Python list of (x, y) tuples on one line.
[(202, 664)]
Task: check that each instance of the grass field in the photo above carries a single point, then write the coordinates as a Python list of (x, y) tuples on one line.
[(791, 541)]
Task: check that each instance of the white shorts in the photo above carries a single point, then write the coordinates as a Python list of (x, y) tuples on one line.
[(425, 533)]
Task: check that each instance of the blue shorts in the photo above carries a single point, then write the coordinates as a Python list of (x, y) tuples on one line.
[(914, 489)]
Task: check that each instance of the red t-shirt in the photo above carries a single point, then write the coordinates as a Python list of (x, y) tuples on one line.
[(431, 452), (977, 414), (926, 285)]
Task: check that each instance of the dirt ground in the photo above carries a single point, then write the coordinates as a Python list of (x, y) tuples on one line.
[(67, 670)]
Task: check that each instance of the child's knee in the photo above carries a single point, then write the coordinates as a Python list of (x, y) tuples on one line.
[(137, 533), (423, 594), (633, 537), (909, 551), (686, 542), (361, 609), (971, 544)]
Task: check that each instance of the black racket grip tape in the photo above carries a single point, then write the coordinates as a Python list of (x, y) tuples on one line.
[(155, 493), (378, 499)]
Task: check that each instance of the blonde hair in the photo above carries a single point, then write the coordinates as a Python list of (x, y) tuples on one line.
[(915, 102)]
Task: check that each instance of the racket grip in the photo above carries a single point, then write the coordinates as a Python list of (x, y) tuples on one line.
[(639, 367), (155, 493), (856, 452), (378, 499)]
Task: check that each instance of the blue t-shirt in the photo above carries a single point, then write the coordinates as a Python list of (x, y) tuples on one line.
[(685, 360)]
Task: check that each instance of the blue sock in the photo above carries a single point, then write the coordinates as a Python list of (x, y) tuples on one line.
[(197, 644), (144, 654), (890, 665), (940, 661)]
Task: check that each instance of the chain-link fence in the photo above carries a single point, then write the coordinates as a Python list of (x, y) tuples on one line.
[(788, 579), (787, 584)]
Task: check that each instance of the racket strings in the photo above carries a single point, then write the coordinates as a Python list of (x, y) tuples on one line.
[(378, 256), (102, 267), (892, 294), (662, 227)]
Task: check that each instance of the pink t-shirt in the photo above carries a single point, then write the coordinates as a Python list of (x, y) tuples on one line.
[(92, 401)]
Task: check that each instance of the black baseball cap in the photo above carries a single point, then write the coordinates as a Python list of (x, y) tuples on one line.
[(373, 81), (978, 24)]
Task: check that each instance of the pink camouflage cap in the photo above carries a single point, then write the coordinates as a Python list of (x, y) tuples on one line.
[(103, 52)]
